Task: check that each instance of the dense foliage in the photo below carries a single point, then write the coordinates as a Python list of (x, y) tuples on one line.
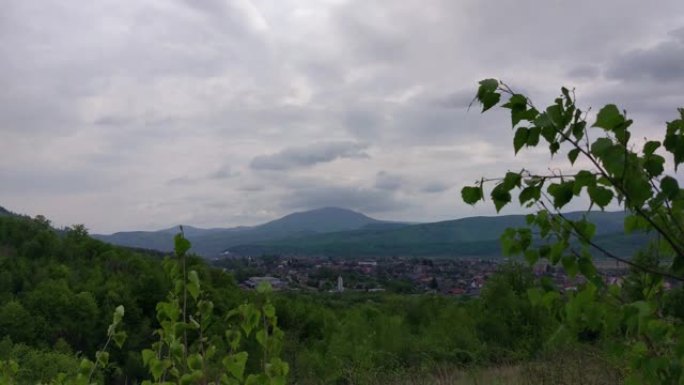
[(60, 289), (606, 167)]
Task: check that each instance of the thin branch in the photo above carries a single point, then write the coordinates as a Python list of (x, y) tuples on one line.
[(536, 176), (505, 88), (669, 208), (619, 187), (610, 255)]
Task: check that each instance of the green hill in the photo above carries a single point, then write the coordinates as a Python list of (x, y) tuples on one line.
[(467, 237)]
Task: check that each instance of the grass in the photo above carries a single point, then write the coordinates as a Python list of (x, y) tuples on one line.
[(573, 367)]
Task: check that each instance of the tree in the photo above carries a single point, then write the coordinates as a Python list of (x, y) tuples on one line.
[(16, 321), (622, 172)]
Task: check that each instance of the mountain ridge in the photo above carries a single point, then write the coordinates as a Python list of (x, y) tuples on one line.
[(463, 237), (337, 232), (211, 242)]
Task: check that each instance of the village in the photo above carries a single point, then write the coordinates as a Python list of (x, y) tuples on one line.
[(458, 277)]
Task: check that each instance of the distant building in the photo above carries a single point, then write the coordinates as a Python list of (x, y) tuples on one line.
[(340, 284), (276, 283), (367, 263)]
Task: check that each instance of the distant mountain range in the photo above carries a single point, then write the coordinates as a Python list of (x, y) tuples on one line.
[(213, 242), (340, 232), (467, 237)]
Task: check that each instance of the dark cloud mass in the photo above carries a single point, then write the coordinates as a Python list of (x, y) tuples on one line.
[(139, 114), (663, 63), (387, 181), (310, 155)]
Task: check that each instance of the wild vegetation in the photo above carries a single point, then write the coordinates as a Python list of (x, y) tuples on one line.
[(634, 320), (60, 289)]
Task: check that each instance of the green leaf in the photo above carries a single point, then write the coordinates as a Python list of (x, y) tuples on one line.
[(250, 318), (555, 115), (531, 256), (264, 287), (517, 101), (670, 187), (269, 310), (613, 160), (489, 85), (86, 366), (650, 147), (148, 355), (585, 229), (512, 180), (583, 178), (489, 100), (118, 315), (578, 129), (472, 194), (600, 196), (561, 192), (195, 361), (654, 165), (205, 308), (487, 94), (500, 196), (277, 369), (609, 118), (233, 337), (520, 138), (158, 367), (181, 245), (533, 136), (572, 155), (530, 193), (193, 284), (674, 139), (119, 338), (586, 267), (600, 146), (261, 336), (570, 265), (102, 358), (635, 222), (554, 147), (637, 190)]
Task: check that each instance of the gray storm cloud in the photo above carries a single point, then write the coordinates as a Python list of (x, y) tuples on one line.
[(304, 156), (139, 114), (663, 62)]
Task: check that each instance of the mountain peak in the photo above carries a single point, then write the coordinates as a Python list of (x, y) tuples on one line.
[(324, 219)]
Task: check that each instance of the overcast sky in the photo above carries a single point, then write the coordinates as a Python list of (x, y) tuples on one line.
[(141, 114)]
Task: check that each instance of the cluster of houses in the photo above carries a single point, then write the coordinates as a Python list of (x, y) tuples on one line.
[(409, 275), (459, 277)]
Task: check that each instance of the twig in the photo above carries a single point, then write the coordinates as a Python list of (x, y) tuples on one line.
[(610, 255)]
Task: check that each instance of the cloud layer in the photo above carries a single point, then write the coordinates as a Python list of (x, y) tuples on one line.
[(140, 114), (303, 156)]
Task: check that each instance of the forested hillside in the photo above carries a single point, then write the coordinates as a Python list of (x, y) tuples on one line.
[(466, 237), (58, 291)]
